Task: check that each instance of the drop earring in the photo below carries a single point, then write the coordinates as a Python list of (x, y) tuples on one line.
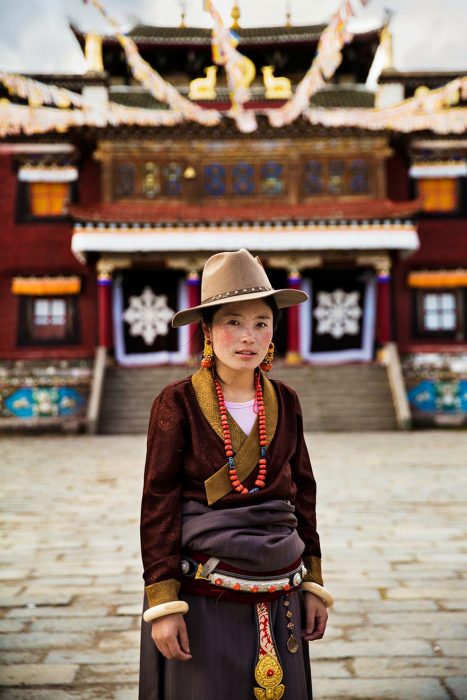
[(266, 364), (206, 360)]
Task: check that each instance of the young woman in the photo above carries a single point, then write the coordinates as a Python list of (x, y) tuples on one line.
[(231, 555)]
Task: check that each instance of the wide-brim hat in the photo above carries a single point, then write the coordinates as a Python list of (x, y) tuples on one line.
[(235, 276)]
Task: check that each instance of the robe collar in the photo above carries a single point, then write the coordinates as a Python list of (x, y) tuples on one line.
[(246, 448)]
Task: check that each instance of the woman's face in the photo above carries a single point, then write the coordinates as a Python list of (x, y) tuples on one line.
[(241, 333)]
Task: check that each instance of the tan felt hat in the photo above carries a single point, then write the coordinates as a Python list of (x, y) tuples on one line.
[(236, 276)]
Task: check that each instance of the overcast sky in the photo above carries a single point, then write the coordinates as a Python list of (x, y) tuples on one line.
[(35, 34)]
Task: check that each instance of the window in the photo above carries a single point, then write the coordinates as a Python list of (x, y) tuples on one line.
[(48, 198), (48, 321), (359, 176), (271, 178), (336, 183), (440, 313), (313, 177), (337, 177), (151, 180), (243, 179), (438, 194), (125, 180), (214, 179), (172, 179)]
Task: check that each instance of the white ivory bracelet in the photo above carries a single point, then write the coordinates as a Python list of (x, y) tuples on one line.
[(311, 587), (174, 606)]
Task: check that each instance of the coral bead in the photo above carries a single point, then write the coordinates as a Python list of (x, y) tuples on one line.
[(229, 453), (236, 483), (236, 586), (271, 589), (260, 484), (239, 488)]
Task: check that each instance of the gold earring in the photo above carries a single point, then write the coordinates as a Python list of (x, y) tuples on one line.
[(266, 364), (206, 360)]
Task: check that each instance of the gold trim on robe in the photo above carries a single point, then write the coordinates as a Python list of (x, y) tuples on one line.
[(246, 449)]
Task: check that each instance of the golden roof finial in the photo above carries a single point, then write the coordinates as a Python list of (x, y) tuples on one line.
[(288, 14), (235, 14), (182, 24)]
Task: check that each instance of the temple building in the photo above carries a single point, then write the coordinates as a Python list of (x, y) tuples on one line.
[(106, 230)]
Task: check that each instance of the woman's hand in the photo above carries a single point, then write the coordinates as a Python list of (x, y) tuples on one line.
[(316, 617), (170, 637)]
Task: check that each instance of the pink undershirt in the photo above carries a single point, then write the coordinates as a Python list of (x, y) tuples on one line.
[(243, 414)]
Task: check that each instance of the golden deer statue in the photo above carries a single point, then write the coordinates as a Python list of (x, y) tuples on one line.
[(204, 88), (276, 88)]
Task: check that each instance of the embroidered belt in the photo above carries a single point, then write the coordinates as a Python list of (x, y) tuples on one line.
[(242, 582)]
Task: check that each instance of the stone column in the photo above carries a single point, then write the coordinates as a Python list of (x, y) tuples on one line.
[(104, 309), (193, 283), (383, 305), (293, 356)]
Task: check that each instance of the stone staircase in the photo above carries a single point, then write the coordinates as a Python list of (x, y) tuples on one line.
[(334, 398)]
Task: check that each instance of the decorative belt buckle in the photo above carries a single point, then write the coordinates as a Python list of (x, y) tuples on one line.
[(199, 573)]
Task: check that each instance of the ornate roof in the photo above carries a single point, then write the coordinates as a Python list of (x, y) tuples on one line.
[(154, 36), (342, 211), (330, 97)]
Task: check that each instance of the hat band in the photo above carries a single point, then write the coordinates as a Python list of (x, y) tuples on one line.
[(236, 292)]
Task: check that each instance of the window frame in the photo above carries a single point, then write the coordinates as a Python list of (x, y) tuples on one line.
[(459, 333), (26, 326), (23, 204), (440, 212)]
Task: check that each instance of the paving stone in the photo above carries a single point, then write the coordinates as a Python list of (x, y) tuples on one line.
[(454, 647), (458, 686), (113, 674), (44, 640), (81, 624), (383, 667), (393, 555), (37, 674), (379, 689), (322, 649)]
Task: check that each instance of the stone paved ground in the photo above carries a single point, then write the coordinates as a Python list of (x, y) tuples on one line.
[(392, 523)]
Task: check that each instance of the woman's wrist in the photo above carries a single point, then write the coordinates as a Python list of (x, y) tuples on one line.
[(157, 611), (320, 591)]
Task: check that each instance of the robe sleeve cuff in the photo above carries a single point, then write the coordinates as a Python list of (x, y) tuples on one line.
[(162, 592), (313, 569)]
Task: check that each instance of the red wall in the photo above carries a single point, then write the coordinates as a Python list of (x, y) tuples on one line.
[(442, 244), (41, 249)]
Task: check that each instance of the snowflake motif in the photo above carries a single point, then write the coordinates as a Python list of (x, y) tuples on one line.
[(148, 315), (338, 313)]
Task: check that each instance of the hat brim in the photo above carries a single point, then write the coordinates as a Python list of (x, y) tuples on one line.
[(283, 298)]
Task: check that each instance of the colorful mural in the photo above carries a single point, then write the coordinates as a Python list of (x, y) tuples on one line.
[(40, 390), (437, 387)]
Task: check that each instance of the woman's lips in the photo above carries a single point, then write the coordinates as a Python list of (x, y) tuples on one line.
[(245, 353)]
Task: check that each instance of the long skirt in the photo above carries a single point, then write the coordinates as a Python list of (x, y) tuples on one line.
[(223, 643)]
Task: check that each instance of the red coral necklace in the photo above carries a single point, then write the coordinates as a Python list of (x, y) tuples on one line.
[(260, 482)]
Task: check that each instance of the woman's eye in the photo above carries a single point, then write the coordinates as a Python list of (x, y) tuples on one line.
[(262, 324), (233, 322)]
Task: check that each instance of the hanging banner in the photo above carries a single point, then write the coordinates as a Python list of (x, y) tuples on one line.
[(38, 93), (144, 303), (152, 81), (236, 66), (327, 59), (339, 323)]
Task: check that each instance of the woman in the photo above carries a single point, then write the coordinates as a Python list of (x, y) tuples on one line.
[(233, 587)]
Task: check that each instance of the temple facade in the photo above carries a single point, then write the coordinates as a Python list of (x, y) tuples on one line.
[(106, 230)]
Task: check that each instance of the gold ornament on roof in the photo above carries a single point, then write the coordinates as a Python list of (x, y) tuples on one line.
[(235, 14), (248, 71), (277, 88), (204, 88), (93, 53)]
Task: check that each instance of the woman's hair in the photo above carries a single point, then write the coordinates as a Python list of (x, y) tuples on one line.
[(209, 312)]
